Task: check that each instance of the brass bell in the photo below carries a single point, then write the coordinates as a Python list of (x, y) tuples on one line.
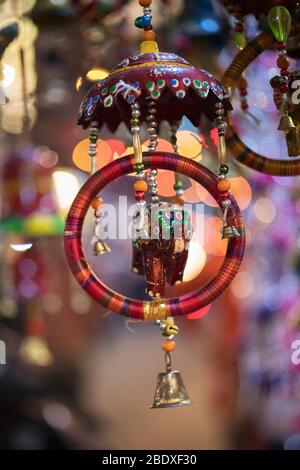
[(101, 247), (230, 231), (170, 391), (286, 123)]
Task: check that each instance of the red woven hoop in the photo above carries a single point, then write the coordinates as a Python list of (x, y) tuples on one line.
[(148, 310)]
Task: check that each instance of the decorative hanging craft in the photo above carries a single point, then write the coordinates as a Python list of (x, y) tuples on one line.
[(151, 87), (285, 86)]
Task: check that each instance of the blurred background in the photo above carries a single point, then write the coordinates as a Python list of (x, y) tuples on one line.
[(73, 376)]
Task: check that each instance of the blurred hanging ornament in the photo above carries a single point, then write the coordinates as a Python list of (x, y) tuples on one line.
[(8, 32), (19, 115), (285, 93), (149, 88), (29, 205)]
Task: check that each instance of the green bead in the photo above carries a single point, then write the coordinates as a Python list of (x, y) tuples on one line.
[(220, 119), (139, 22), (134, 122), (139, 167), (93, 138), (279, 21), (224, 169), (178, 185), (240, 40)]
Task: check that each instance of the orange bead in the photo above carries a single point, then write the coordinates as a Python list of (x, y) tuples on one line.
[(140, 186), (168, 345), (97, 202), (149, 35), (145, 3), (224, 185)]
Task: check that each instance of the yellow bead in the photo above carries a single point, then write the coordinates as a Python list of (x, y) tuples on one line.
[(148, 46)]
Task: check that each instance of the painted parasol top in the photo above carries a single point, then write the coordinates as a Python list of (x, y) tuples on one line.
[(178, 88), (256, 7)]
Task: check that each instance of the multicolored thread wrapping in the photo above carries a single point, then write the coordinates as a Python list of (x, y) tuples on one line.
[(147, 310)]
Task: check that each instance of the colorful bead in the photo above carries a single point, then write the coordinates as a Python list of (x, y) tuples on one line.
[(139, 167), (224, 195), (145, 3), (178, 185), (240, 40), (224, 185), (279, 21), (224, 169), (149, 35), (284, 72), (142, 21), (97, 202), (134, 122), (93, 138), (281, 46), (140, 186), (168, 345), (139, 195), (283, 62)]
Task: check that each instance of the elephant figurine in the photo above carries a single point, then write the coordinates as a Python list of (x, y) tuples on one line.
[(161, 237)]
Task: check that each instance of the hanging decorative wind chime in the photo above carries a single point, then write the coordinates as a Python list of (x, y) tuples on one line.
[(283, 21), (151, 87)]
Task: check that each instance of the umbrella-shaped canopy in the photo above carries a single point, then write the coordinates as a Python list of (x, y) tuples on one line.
[(178, 88)]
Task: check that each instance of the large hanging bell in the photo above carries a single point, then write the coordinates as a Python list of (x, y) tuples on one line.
[(170, 391), (101, 247), (230, 231), (286, 123)]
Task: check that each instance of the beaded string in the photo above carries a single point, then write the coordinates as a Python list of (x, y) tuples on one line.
[(224, 183), (144, 22), (168, 329), (99, 245), (152, 130), (279, 20), (240, 43), (178, 183)]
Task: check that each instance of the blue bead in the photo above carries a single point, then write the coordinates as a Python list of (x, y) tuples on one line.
[(146, 21)]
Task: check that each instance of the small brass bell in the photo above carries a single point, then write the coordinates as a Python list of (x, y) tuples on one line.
[(170, 391), (230, 231), (101, 247), (286, 123)]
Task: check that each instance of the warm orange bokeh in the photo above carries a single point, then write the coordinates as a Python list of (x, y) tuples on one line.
[(81, 157)]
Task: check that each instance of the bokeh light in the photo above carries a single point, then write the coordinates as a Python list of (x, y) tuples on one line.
[(81, 155), (264, 210)]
